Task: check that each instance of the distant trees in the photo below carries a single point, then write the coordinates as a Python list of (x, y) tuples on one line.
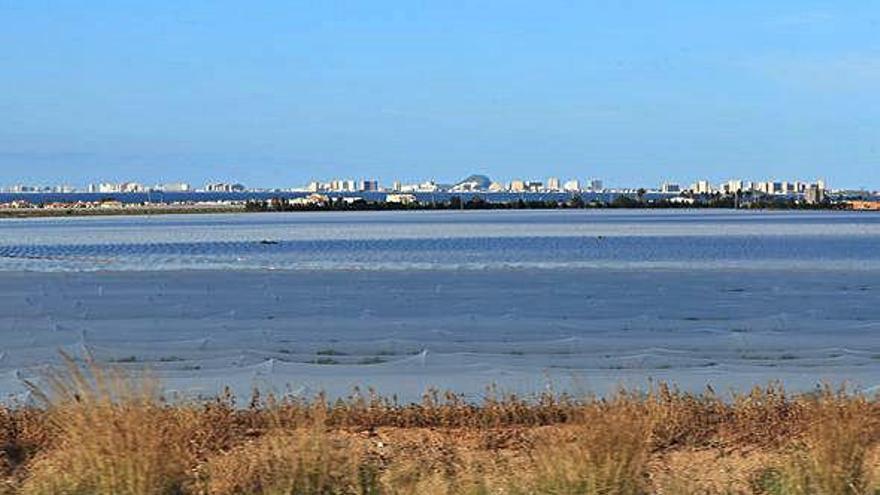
[(624, 201), (576, 202), (477, 202)]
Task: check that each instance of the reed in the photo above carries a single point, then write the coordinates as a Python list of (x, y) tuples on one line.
[(605, 452), (100, 431), (108, 434), (306, 462), (832, 456)]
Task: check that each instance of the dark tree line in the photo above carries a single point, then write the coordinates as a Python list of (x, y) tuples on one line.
[(622, 201)]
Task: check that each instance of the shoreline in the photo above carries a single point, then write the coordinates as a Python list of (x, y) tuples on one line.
[(25, 213), (110, 212)]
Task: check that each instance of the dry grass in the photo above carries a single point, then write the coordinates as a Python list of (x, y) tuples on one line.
[(109, 435), (100, 432), (305, 461), (604, 452), (832, 456)]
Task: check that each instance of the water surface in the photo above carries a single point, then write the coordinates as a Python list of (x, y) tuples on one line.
[(579, 301)]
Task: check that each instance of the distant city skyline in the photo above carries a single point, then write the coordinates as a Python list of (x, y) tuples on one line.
[(560, 179), (473, 183), (275, 94)]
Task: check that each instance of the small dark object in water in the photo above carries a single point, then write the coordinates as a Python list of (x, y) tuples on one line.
[(267, 242)]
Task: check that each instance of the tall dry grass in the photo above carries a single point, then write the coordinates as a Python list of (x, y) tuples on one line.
[(604, 451), (285, 460), (109, 435), (99, 431), (832, 455)]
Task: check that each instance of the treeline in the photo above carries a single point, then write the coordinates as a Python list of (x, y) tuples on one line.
[(575, 202)]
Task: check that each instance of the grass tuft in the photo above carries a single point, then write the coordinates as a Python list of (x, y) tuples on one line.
[(110, 435), (605, 452), (832, 456)]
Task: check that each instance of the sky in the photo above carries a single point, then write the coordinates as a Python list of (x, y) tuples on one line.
[(276, 93)]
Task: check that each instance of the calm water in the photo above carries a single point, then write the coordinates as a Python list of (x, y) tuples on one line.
[(445, 240), (402, 301)]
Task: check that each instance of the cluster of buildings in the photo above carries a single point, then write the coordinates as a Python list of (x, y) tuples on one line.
[(552, 184), (343, 185), (25, 189), (23, 204), (474, 183), (480, 183), (770, 187), (812, 192), (124, 187), (132, 187)]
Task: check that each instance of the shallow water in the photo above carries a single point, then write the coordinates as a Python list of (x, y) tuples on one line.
[(579, 301)]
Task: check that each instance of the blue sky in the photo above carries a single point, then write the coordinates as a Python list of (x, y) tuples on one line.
[(279, 92)]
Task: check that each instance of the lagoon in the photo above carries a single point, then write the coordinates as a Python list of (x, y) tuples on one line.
[(570, 301)]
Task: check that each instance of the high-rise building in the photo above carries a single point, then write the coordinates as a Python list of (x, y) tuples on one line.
[(553, 184), (18, 188), (702, 187), (573, 185), (428, 186), (670, 188), (776, 188), (339, 185), (107, 187), (517, 185), (224, 187), (734, 186), (368, 185), (596, 185), (814, 194), (770, 187), (175, 187)]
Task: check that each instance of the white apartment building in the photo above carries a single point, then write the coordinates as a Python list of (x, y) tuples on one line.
[(368, 185), (573, 185), (517, 185), (670, 188), (175, 187), (702, 187), (496, 187), (733, 186)]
